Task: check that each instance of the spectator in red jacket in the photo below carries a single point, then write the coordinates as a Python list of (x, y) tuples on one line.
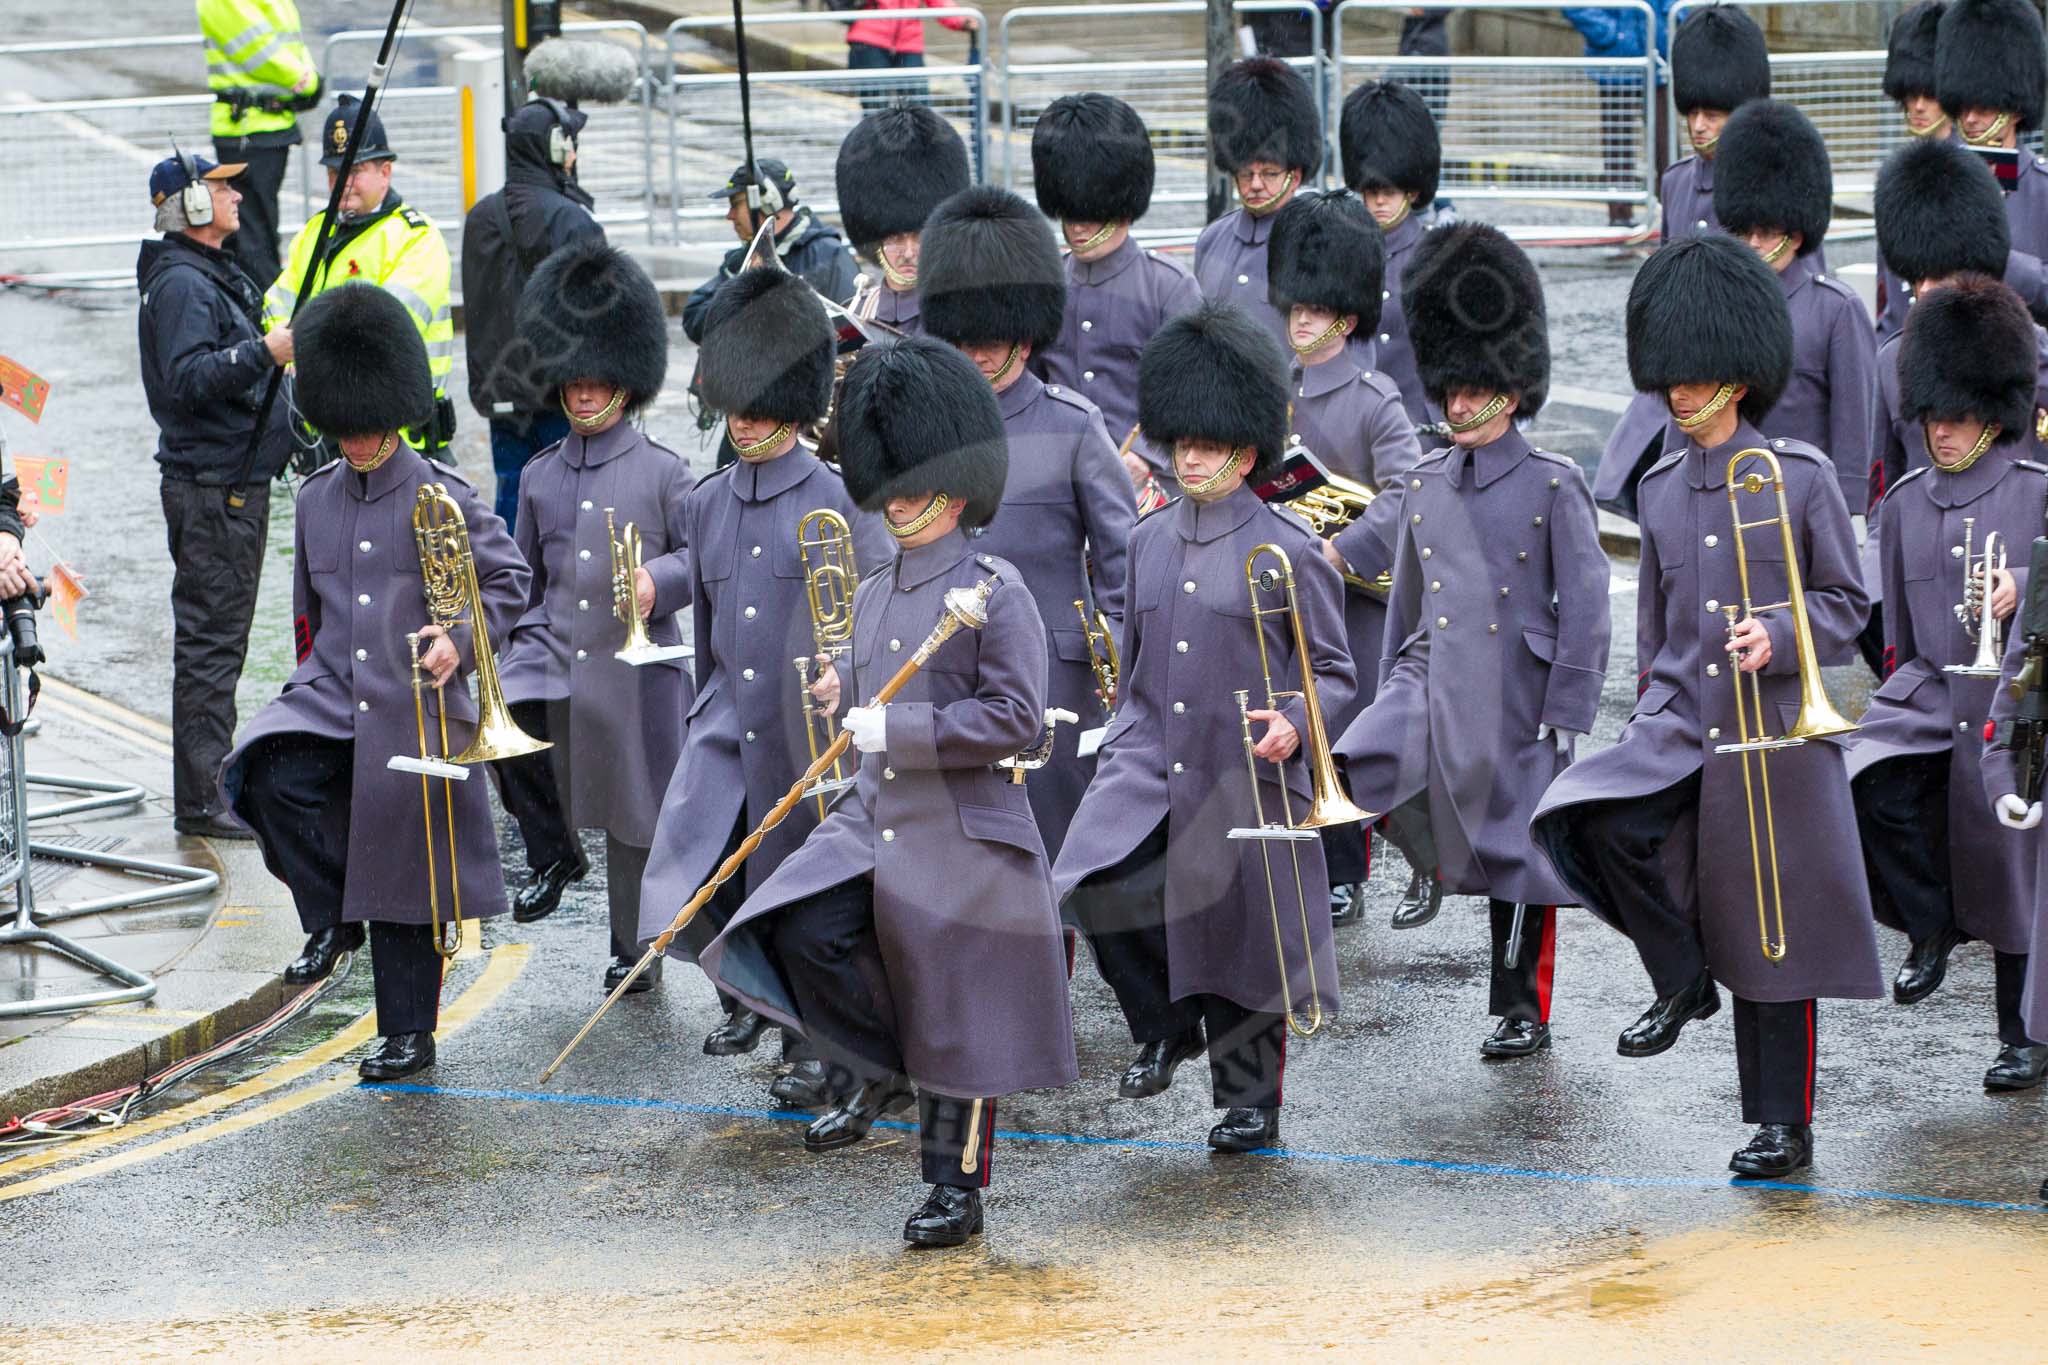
[(883, 43)]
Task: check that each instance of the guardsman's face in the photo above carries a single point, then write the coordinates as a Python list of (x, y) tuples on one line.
[(1949, 442), (902, 511), (1079, 234), (1923, 113), (900, 251), (1975, 123), (585, 399), (749, 431), (991, 356), (1704, 126), (361, 450), (1195, 461), (1764, 240), (1687, 399), (1384, 204), (1462, 405), (1260, 182), (1306, 322), (368, 183)]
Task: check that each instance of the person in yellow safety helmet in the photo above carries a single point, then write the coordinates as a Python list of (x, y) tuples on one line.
[(262, 78), (378, 240)]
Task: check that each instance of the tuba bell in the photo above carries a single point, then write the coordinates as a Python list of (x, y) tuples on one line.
[(1974, 611)]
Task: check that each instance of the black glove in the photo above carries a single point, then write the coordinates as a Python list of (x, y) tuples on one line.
[(240, 99), (311, 99), (441, 427)]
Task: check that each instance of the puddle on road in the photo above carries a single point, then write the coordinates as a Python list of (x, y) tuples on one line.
[(1781, 1282)]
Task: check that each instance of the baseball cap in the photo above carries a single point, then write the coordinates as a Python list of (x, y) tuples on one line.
[(773, 172), (169, 176)]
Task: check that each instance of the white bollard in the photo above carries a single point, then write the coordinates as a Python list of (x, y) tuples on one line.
[(481, 75)]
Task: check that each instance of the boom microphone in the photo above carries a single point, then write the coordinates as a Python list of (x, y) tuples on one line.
[(571, 71)]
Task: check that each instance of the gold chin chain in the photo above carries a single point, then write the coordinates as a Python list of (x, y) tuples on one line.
[(1938, 128), (1776, 253), (1707, 148), (1214, 481), (1007, 368), (1407, 206), (1494, 408), (1266, 206), (933, 510), (1335, 329), (1709, 412), (1991, 434), (1102, 235), (1990, 135), (760, 447), (384, 452), (587, 425), (898, 280)]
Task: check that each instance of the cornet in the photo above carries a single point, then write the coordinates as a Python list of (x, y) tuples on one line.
[(1328, 805), (639, 648), (1332, 506), (1974, 611), (1817, 716), (824, 543)]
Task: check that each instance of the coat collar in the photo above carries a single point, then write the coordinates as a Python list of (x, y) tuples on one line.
[(405, 469), (1249, 228), (772, 478), (1960, 490), (1492, 460), (920, 566), (1405, 233), (587, 452), (1020, 395), (1799, 274), (1709, 468), (1108, 267), (1313, 381), (898, 310), (1203, 522)]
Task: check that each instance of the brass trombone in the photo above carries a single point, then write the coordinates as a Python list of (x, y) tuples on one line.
[(448, 940), (1328, 804), (823, 535), (639, 647), (1817, 716), (1974, 611)]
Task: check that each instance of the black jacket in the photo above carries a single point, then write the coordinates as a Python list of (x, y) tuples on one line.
[(504, 239), (807, 247), (204, 365)]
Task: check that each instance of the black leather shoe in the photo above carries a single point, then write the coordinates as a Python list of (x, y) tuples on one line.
[(401, 1055), (1246, 1130), (1777, 1150), (316, 960), (1153, 1071), (1658, 1029), (2018, 1068), (1925, 965), (804, 1086), (543, 890), (616, 970), (1347, 903), (849, 1123), (948, 1218), (741, 1032), (1516, 1038), (214, 826), (1420, 902)]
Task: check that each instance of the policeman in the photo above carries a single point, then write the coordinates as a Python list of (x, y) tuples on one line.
[(893, 169), (1392, 160), (805, 245), (379, 240), (1092, 170), (1991, 75), (1267, 136), (262, 78)]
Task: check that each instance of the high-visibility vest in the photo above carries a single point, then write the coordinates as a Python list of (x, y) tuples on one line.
[(254, 45), (404, 253)]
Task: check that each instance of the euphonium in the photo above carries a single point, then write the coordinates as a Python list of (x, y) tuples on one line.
[(1328, 805), (1974, 611), (639, 647), (824, 544), (1333, 506), (1817, 716)]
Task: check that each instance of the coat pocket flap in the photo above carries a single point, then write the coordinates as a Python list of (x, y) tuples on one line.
[(702, 697), (993, 824), (1541, 645), (1655, 700), (1070, 645)]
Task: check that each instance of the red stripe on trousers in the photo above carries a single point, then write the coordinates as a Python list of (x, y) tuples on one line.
[(1546, 964), (1811, 1056), (988, 1138), (1280, 1079)]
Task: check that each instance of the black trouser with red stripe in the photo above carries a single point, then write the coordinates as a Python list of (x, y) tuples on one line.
[(1775, 1046), (825, 947), (1122, 909), (1522, 991)]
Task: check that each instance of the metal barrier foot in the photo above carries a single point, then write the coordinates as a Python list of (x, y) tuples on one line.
[(177, 881), (105, 796)]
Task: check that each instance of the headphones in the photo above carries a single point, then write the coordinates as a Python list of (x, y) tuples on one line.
[(772, 201), (559, 142), (195, 200)]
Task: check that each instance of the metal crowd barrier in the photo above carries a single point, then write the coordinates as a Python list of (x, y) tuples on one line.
[(800, 117)]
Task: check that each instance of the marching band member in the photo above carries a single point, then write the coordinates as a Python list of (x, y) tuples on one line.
[(1267, 136), (592, 323), (1939, 871), (767, 364), (1496, 637), (1176, 911), (915, 930), (336, 825), (992, 285), (891, 172), (1991, 75), (1640, 831), (1909, 81), (1392, 158), (1327, 263), (1092, 171)]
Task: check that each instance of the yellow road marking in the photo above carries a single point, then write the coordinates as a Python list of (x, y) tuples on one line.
[(107, 724), (505, 964), (80, 698)]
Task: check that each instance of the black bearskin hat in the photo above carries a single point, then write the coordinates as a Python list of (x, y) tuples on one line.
[(989, 270), (1991, 54), (1262, 110), (1388, 140), (1719, 60), (1707, 310), (1091, 160), (1327, 252), (893, 169), (1969, 351), (1939, 211), (590, 312), (1476, 317), (768, 348), (1909, 56), (1771, 171), (916, 416), (362, 368), (1215, 374)]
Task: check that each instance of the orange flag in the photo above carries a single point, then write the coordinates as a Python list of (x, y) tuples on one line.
[(45, 482), (22, 389), (66, 592)]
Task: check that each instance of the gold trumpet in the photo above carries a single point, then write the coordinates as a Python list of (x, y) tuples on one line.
[(639, 648), (1333, 506), (1974, 611), (1101, 653), (1817, 716), (1328, 804), (828, 587)]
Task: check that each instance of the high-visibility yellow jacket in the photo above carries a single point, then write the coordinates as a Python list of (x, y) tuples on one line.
[(400, 249), (254, 45)]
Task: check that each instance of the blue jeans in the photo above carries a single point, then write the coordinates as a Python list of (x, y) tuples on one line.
[(868, 57), (514, 441)]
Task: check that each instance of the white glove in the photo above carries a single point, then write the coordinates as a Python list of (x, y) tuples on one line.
[(869, 728), (2014, 813), (1563, 738)]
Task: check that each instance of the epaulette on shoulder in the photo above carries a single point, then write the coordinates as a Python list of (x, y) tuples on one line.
[(1835, 285), (447, 473), (2034, 465), (1901, 482), (1291, 517), (878, 570), (1061, 393), (1798, 450), (1435, 461), (414, 219), (1553, 457), (721, 472), (1666, 462), (1147, 516)]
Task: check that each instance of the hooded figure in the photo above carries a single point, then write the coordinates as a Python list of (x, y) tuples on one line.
[(917, 417), (1707, 310), (1909, 51), (1211, 376), (768, 349), (893, 169), (988, 270), (1091, 160), (1388, 141), (1991, 54), (362, 369), (1261, 112), (591, 312)]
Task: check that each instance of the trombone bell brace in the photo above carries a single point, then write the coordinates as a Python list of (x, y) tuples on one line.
[(427, 767)]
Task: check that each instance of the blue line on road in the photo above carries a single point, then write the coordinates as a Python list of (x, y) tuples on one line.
[(1640, 1182)]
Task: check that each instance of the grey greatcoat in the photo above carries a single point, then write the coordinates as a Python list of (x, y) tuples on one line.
[(1498, 627), (625, 724), (1354, 422), (744, 744), (356, 594), (2000, 779), (1067, 504), (1390, 351), (1686, 194), (2026, 213), (1687, 706), (899, 310), (973, 961), (1230, 264), (1175, 750), (1921, 709)]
